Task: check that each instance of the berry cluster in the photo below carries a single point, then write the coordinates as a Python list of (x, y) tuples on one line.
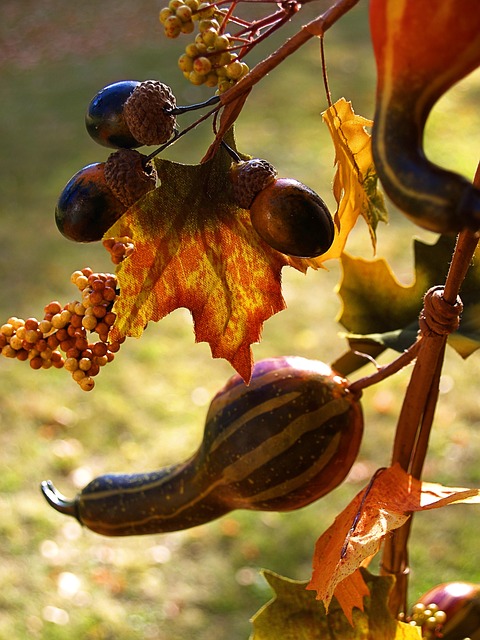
[(212, 58), (119, 248), (430, 618), (61, 338)]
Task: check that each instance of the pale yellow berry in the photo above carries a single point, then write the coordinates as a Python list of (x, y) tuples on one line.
[(211, 80), (221, 42), (245, 69), (164, 14), (45, 326), (185, 63), (16, 343), (87, 383), (208, 37), (7, 329), (234, 70), (78, 375), (8, 351), (89, 322), (81, 282), (224, 85), (208, 25), (21, 331), (202, 65), (206, 10), (184, 13), (75, 275), (173, 5), (187, 27), (192, 50), (172, 27), (196, 78), (71, 364), (84, 364), (16, 322), (193, 4), (31, 335)]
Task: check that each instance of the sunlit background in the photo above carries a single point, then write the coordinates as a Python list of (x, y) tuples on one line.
[(59, 582)]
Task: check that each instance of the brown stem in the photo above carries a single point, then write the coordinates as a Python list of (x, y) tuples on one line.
[(316, 27), (386, 370), (416, 417)]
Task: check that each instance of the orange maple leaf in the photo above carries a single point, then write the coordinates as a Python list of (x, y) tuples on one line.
[(195, 248), (357, 533)]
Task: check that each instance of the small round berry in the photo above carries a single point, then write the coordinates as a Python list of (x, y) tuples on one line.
[(164, 14), (105, 120), (202, 66), (172, 26), (87, 207), (184, 13)]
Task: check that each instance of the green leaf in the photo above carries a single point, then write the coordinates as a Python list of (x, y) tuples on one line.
[(295, 614), (378, 309)]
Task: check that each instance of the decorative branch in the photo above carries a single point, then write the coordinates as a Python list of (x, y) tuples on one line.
[(416, 417)]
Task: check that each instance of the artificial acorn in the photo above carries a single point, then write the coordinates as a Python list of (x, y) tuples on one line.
[(289, 216), (97, 195), (129, 114), (278, 444), (87, 207)]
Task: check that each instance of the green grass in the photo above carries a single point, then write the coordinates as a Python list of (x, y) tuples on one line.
[(59, 582)]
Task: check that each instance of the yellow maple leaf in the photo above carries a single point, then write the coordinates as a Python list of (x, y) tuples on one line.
[(355, 183)]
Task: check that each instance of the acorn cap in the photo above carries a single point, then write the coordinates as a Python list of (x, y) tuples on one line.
[(126, 176), (249, 178), (145, 112)]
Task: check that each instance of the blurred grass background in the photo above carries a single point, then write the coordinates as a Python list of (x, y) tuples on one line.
[(59, 582)]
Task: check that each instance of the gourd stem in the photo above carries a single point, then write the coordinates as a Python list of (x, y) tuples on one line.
[(56, 500)]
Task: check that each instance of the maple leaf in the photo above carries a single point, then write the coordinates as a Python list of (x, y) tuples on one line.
[(195, 248), (359, 530), (295, 614), (377, 310), (355, 185)]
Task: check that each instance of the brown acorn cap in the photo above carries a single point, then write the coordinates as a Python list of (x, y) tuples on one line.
[(249, 177), (145, 112), (126, 176)]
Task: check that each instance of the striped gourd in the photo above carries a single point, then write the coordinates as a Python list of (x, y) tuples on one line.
[(421, 50), (278, 444)]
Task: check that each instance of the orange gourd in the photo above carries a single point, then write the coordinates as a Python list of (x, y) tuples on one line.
[(421, 50)]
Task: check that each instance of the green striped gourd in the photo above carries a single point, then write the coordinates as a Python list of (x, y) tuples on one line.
[(278, 444)]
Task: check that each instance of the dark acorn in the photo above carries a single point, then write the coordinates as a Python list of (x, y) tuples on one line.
[(292, 219), (105, 118), (87, 207)]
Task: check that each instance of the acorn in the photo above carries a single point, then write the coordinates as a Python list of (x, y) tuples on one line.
[(129, 114), (289, 216), (97, 195)]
